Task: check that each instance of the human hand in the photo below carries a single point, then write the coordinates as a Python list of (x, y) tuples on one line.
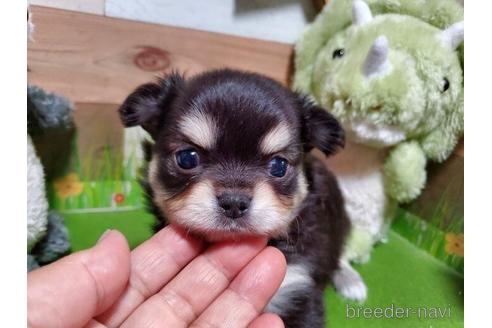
[(170, 280)]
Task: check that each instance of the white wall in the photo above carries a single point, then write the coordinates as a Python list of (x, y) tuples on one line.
[(275, 20)]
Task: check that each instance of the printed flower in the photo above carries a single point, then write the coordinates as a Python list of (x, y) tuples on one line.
[(119, 198), (455, 244), (69, 185)]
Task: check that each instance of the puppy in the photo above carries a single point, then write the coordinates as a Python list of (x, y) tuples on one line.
[(231, 158)]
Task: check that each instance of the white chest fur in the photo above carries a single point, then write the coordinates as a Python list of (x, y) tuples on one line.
[(297, 280)]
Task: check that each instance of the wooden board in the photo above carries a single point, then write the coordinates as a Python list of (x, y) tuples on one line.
[(460, 148), (90, 58), (98, 127), (319, 4)]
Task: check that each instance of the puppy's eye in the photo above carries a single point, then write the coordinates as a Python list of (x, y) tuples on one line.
[(278, 167), (444, 85), (338, 53), (187, 159)]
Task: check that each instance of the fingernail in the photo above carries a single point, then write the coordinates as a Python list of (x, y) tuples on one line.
[(103, 236)]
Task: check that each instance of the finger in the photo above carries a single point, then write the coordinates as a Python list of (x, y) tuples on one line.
[(69, 292), (186, 296), (267, 320), (248, 294), (94, 324), (153, 264)]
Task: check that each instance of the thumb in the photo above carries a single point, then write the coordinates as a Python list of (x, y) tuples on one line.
[(69, 292)]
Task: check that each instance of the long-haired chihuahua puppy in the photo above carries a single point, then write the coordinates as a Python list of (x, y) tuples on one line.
[(230, 158)]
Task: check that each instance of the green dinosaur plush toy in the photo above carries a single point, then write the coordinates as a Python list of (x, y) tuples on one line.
[(392, 73)]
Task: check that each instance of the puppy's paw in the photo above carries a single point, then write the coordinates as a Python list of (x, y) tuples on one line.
[(349, 283)]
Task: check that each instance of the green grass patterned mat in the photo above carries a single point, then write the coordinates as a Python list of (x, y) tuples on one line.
[(403, 278), (86, 226)]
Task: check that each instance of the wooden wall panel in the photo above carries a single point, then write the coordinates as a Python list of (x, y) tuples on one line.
[(90, 58)]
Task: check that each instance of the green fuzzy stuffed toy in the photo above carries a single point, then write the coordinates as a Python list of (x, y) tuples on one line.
[(392, 72)]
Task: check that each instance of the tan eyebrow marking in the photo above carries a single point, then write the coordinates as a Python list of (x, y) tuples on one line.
[(276, 139), (199, 128)]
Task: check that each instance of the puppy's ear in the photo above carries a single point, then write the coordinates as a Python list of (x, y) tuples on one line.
[(319, 128), (147, 105)]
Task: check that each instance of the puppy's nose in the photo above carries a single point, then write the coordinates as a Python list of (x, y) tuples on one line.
[(234, 205)]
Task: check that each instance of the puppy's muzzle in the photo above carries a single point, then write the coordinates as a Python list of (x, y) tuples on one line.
[(234, 205)]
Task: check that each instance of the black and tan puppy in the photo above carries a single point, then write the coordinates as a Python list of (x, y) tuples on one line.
[(230, 159)]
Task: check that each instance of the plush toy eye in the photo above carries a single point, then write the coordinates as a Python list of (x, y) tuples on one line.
[(278, 166), (445, 85), (187, 159), (338, 53)]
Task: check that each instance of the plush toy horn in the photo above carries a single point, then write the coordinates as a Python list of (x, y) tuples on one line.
[(453, 36), (377, 62), (361, 13)]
